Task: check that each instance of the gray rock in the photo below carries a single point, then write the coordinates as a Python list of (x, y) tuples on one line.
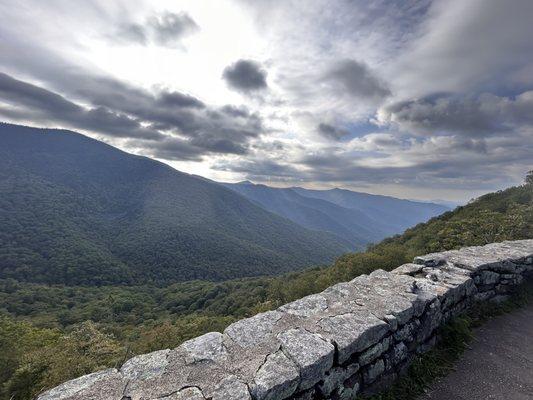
[(487, 278), (374, 371), (407, 332), (384, 293), (230, 388), (410, 269), (306, 306), (208, 347), (353, 332), (277, 378), (103, 385), (375, 351), (429, 321), (398, 353), (145, 366), (335, 377), (251, 331), (311, 353), (190, 393)]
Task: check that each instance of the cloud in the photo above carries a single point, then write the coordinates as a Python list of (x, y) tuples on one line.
[(245, 76), (355, 79), (445, 114), (176, 99), (465, 46), (429, 94), (183, 126), (331, 132), (168, 27), (260, 169), (34, 102), (164, 29)]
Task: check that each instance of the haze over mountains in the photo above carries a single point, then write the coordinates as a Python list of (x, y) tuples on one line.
[(76, 211), (357, 218)]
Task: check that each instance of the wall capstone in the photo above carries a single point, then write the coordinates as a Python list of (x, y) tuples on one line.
[(353, 339)]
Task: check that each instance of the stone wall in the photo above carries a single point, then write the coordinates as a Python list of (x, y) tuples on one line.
[(351, 340)]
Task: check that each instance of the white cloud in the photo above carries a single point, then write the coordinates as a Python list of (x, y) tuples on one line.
[(391, 96)]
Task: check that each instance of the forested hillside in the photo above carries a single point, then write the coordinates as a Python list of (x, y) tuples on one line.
[(45, 337), (358, 218), (76, 211)]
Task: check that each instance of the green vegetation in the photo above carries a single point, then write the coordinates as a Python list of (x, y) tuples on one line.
[(454, 339), (45, 328)]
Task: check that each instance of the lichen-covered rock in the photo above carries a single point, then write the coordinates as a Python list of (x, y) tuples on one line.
[(429, 321), (208, 347), (145, 366), (190, 393), (312, 354), (374, 371), (396, 355), (335, 378), (103, 385), (252, 331), (353, 332), (277, 378), (375, 351), (407, 332), (230, 388), (306, 306)]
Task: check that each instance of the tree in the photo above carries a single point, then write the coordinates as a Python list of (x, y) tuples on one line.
[(529, 178)]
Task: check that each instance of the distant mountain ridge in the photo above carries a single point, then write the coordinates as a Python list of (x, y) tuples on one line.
[(74, 210), (357, 218)]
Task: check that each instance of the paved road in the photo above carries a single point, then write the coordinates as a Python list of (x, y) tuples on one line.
[(498, 366)]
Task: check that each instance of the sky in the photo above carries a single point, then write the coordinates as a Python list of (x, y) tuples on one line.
[(417, 99)]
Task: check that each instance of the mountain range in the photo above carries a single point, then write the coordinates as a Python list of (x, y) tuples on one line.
[(356, 218), (76, 211)]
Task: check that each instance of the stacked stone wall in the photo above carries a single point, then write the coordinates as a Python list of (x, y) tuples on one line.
[(352, 340)]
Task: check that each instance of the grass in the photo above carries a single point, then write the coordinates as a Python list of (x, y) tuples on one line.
[(454, 338)]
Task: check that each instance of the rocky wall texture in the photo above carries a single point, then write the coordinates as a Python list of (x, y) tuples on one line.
[(352, 340)]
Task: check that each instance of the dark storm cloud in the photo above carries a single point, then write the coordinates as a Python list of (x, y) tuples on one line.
[(331, 131), (356, 80), (186, 125), (165, 29), (171, 99), (41, 104), (245, 76), (484, 115)]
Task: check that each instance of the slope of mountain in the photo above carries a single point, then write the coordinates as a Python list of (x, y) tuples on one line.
[(358, 218), (393, 215), (74, 210)]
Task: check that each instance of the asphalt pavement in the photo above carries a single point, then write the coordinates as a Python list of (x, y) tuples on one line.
[(499, 364)]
